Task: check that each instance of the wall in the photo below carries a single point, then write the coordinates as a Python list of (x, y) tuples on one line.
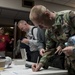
[(53, 6), (13, 4), (6, 21), (17, 4)]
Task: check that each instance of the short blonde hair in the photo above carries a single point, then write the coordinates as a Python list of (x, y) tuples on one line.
[(36, 12)]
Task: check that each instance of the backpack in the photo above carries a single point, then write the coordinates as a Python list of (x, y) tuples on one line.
[(32, 32)]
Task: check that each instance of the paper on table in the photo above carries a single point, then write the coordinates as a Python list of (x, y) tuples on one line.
[(48, 72), (18, 72), (24, 71), (43, 72), (21, 70)]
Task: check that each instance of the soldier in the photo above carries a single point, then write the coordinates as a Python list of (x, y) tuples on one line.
[(60, 26)]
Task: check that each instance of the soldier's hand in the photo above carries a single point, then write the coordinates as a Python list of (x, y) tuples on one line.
[(68, 50), (36, 67), (42, 51), (59, 50)]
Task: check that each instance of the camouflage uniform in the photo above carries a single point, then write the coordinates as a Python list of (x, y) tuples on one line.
[(63, 28)]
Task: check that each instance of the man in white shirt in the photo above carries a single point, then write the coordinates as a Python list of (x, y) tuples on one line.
[(24, 26)]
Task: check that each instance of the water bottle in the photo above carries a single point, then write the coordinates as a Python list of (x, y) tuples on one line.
[(71, 41)]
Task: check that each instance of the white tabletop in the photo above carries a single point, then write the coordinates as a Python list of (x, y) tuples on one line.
[(22, 70)]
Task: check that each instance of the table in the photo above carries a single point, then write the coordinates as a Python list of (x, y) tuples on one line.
[(22, 70)]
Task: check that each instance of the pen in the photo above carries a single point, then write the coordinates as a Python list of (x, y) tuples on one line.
[(38, 60)]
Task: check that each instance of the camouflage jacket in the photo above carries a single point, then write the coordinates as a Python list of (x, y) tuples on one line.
[(63, 28)]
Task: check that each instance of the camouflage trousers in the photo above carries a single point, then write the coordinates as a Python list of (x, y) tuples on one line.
[(70, 65)]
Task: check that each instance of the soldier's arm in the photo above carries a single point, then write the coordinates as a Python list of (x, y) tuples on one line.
[(50, 47)]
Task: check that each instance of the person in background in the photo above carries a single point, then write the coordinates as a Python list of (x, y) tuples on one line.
[(31, 39), (4, 39), (9, 46), (60, 25)]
